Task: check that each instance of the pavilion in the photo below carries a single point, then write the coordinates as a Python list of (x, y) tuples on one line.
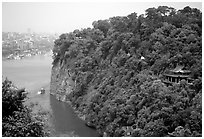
[(176, 75)]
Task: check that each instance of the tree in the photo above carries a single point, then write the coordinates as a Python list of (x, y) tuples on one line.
[(17, 119), (102, 25)]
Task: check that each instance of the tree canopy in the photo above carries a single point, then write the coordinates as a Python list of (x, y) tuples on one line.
[(17, 119)]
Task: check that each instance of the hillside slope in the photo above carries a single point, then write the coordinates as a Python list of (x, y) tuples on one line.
[(112, 73)]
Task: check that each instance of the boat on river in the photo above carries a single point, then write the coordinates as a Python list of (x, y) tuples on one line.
[(41, 91)]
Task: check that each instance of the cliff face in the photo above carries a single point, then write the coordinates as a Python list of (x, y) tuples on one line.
[(61, 83)]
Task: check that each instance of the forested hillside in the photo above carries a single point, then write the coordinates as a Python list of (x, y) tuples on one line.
[(117, 68)]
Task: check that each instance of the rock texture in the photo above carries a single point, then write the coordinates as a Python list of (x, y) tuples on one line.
[(62, 85), (61, 82)]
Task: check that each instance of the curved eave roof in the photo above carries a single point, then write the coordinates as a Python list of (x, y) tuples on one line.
[(173, 75)]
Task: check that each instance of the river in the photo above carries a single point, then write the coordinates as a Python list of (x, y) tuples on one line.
[(34, 73)]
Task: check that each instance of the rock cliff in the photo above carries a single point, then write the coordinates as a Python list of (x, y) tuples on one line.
[(61, 83), (62, 86)]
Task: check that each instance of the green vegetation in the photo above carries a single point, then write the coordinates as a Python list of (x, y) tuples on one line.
[(17, 119), (121, 94)]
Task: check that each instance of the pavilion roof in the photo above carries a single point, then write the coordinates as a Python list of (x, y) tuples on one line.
[(179, 68)]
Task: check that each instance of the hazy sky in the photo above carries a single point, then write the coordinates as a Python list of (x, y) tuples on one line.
[(65, 17)]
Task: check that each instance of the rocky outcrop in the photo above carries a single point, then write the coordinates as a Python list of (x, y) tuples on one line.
[(61, 83)]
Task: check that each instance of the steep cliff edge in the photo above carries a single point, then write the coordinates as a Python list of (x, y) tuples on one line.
[(61, 83), (62, 86)]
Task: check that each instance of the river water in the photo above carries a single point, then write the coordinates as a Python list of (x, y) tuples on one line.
[(34, 73)]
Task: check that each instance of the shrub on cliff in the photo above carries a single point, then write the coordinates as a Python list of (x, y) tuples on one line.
[(17, 119)]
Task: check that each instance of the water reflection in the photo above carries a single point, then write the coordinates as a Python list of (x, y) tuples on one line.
[(64, 119)]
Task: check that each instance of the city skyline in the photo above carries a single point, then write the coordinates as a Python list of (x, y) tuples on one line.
[(65, 17)]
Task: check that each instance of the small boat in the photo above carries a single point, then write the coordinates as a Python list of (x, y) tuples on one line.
[(41, 91)]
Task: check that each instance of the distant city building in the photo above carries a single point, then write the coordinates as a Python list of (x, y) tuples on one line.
[(17, 45)]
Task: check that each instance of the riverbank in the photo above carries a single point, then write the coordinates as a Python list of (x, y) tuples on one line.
[(41, 99), (39, 103), (34, 73)]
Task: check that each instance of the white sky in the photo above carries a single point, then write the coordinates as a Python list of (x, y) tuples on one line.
[(65, 17)]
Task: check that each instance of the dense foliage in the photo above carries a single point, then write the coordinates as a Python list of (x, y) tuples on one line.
[(17, 119), (118, 64)]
